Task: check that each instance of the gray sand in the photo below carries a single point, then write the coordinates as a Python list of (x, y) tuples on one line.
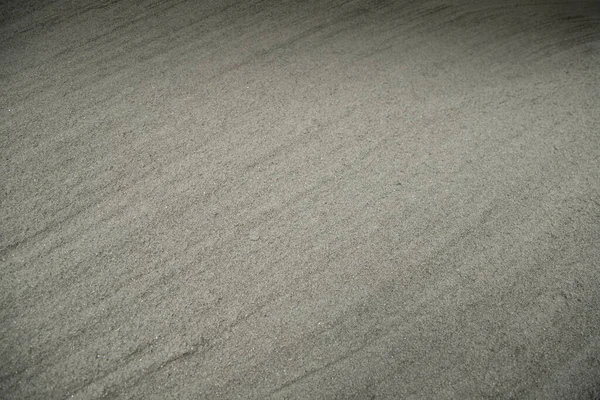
[(299, 199)]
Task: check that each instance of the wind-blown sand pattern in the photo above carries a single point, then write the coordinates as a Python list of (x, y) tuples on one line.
[(299, 199)]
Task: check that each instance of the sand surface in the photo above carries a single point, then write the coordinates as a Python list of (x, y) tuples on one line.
[(299, 199)]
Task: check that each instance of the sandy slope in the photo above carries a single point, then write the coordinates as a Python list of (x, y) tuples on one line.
[(299, 199)]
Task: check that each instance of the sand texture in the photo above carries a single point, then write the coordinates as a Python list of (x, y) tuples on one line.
[(299, 199)]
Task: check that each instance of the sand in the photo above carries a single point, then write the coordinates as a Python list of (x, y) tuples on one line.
[(299, 199)]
